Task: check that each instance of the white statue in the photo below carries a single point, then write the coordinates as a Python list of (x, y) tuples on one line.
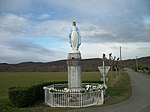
[(75, 38)]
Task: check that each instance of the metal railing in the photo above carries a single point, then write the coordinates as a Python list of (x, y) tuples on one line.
[(60, 98)]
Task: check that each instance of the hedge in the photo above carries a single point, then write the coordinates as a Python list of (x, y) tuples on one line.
[(24, 96), (21, 96)]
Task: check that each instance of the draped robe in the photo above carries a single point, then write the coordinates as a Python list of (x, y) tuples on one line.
[(75, 38)]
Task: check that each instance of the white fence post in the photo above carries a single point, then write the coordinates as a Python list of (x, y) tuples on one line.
[(102, 96)]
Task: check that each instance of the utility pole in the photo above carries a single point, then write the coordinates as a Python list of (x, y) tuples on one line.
[(120, 64), (120, 55), (104, 68), (110, 61), (136, 64)]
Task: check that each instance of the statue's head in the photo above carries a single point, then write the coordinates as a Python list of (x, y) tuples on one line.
[(74, 22)]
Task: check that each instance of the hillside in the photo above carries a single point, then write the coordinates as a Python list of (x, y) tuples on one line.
[(143, 63), (61, 66)]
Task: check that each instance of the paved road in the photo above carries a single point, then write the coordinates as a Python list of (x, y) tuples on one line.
[(138, 102)]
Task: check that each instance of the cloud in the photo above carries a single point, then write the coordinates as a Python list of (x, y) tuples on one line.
[(36, 55), (18, 36), (146, 22), (44, 16), (129, 50), (40, 28), (12, 25), (15, 5), (15, 51), (52, 28), (99, 34)]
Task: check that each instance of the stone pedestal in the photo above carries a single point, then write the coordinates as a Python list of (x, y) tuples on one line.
[(74, 70)]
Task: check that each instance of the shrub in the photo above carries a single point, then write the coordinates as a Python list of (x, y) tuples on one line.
[(101, 82), (38, 88), (23, 96)]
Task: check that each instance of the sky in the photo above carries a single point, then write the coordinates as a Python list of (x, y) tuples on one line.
[(37, 30)]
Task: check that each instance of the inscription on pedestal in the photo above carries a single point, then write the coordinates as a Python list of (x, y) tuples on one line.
[(74, 70)]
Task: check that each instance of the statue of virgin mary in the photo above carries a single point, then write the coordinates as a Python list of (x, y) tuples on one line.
[(74, 37)]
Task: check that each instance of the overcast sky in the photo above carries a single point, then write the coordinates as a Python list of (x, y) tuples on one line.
[(37, 30)]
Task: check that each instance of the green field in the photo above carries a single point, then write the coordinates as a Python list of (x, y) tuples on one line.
[(8, 79), (118, 87)]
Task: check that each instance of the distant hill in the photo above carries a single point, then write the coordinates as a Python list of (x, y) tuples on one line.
[(61, 66), (143, 63)]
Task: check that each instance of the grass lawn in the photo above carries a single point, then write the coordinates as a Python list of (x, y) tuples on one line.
[(8, 79), (119, 88), (147, 74)]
